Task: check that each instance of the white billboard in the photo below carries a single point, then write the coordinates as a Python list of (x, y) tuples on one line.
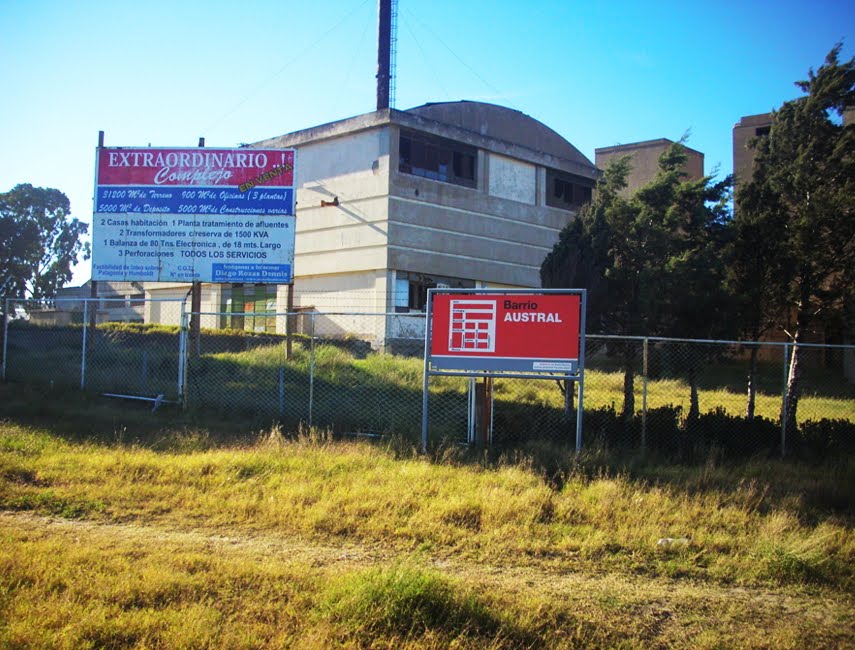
[(183, 215)]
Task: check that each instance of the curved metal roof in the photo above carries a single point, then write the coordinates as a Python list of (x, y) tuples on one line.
[(501, 123)]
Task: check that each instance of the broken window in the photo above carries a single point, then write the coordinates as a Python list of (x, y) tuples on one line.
[(438, 159), (567, 191)]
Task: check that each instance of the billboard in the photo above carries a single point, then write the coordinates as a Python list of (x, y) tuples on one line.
[(183, 215), (513, 331)]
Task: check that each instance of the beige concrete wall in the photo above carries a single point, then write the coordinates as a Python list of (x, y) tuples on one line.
[(353, 173), (743, 132), (644, 159), (495, 285), (512, 179), (338, 297), (442, 229), (359, 291), (169, 313)]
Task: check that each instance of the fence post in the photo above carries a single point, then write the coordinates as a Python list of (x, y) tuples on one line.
[(644, 370), (182, 357), (785, 409), (289, 321), (470, 410), (311, 364), (145, 371), (83, 355), (5, 335), (281, 391)]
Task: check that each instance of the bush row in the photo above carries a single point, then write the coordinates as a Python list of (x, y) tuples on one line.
[(669, 434)]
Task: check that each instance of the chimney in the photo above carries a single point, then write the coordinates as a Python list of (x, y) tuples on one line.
[(384, 52)]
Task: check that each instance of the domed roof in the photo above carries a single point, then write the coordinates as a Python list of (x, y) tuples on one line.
[(501, 123)]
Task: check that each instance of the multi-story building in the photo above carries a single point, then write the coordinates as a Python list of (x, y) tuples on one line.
[(391, 203), (744, 131)]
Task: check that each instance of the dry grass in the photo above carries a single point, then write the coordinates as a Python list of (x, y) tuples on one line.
[(76, 584), (302, 541)]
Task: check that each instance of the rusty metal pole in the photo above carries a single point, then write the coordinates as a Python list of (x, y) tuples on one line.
[(93, 284), (483, 410), (195, 307), (289, 321)]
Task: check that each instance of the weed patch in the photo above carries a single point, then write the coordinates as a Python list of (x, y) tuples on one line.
[(407, 602)]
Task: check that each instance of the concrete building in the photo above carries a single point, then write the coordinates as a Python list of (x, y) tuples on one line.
[(748, 128), (391, 203), (645, 161), (117, 301), (753, 126)]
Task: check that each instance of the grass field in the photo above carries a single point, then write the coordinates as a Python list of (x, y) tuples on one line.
[(118, 529)]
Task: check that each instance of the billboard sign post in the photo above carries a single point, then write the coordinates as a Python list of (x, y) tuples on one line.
[(525, 333), (194, 215)]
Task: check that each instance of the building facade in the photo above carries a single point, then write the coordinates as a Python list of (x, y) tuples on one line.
[(392, 203), (744, 131), (644, 161)]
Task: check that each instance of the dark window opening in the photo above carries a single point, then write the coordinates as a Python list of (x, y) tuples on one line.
[(567, 191), (762, 130), (437, 159), (412, 288)]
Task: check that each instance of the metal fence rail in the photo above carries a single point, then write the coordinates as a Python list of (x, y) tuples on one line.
[(361, 373)]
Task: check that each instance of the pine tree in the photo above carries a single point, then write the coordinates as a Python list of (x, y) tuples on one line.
[(801, 200)]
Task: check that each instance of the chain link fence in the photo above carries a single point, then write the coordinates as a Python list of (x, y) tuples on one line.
[(99, 345), (363, 374)]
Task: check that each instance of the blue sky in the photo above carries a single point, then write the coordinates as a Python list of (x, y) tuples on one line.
[(599, 73)]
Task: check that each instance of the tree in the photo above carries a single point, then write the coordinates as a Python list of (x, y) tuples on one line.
[(651, 262), (39, 243), (585, 253), (749, 277), (800, 197)]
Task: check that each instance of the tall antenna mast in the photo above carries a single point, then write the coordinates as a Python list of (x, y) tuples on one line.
[(385, 51), (393, 53)]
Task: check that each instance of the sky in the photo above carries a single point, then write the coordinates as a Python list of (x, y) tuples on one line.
[(165, 73)]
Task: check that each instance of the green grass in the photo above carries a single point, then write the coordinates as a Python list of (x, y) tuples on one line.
[(739, 530), (95, 586), (119, 530)]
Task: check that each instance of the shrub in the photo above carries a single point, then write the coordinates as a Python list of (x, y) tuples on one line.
[(825, 438)]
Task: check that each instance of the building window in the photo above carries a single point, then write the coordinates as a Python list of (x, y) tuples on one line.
[(438, 159), (567, 191), (762, 130), (411, 289), (250, 307)]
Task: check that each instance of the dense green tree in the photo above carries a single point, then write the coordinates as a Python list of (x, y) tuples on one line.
[(651, 262), (39, 243), (749, 278), (800, 201), (696, 303)]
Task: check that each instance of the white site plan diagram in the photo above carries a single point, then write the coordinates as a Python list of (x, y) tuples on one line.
[(472, 326)]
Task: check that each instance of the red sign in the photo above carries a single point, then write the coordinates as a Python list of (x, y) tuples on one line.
[(244, 168), (506, 331)]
